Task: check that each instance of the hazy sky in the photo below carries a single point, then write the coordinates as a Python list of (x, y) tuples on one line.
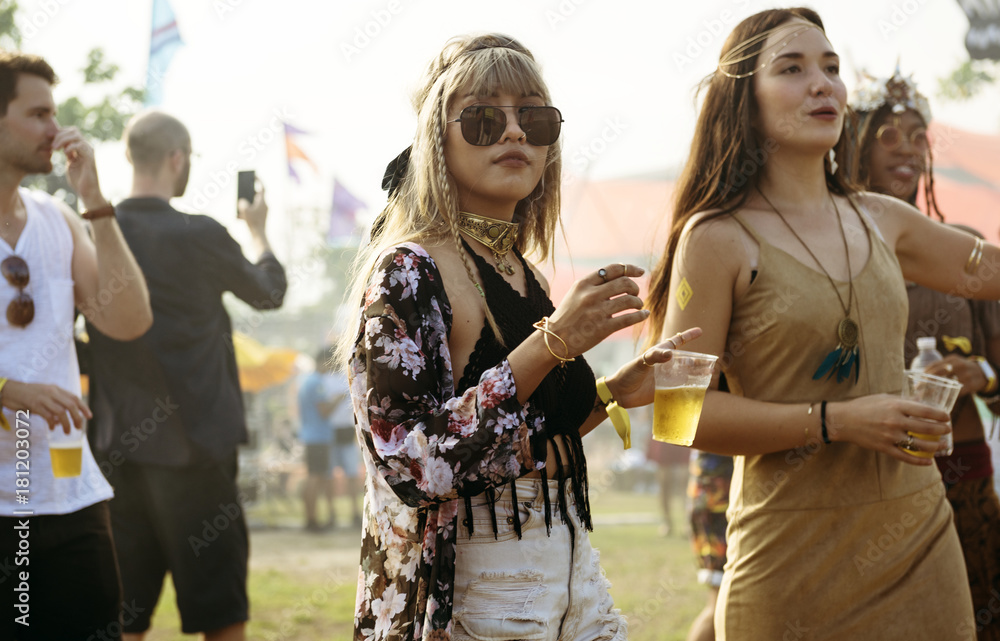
[(621, 71)]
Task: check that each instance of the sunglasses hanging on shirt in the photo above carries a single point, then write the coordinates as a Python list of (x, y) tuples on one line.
[(21, 309)]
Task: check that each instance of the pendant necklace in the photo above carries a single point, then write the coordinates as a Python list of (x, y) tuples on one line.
[(846, 356), (499, 236)]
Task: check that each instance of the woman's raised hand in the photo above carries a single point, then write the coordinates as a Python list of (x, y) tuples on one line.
[(586, 315), (633, 384)]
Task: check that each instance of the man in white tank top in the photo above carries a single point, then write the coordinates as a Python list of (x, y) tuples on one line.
[(58, 573)]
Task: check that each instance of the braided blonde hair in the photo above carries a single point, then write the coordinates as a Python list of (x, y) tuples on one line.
[(425, 209)]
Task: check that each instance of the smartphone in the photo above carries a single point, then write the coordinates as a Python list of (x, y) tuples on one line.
[(246, 185)]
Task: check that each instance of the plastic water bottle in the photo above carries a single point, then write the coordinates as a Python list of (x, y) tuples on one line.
[(928, 353)]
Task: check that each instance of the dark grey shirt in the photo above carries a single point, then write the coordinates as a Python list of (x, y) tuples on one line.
[(172, 397)]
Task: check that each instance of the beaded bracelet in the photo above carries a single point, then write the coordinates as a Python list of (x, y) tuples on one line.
[(543, 326)]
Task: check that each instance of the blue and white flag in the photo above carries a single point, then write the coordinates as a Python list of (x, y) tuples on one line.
[(164, 42)]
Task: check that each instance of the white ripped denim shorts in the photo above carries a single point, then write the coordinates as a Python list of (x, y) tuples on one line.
[(539, 587)]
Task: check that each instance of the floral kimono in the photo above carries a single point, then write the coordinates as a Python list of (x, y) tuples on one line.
[(423, 447)]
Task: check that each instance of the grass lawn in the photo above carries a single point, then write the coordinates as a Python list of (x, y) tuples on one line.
[(302, 585)]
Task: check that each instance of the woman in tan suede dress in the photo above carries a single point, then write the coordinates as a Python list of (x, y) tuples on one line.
[(839, 529)]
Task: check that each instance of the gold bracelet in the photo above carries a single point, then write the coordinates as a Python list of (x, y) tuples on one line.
[(543, 326), (975, 257)]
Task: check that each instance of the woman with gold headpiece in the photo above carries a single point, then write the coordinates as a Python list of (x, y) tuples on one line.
[(469, 390), (894, 157), (838, 526)]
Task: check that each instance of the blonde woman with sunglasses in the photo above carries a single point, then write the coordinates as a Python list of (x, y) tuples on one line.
[(470, 392)]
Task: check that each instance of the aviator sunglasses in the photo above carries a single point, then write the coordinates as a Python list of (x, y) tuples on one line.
[(21, 310), (891, 137), (483, 125)]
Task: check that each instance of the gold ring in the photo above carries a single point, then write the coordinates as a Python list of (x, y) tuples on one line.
[(644, 360), (625, 267), (906, 444)]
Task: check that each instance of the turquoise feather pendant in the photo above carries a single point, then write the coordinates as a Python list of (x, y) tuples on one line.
[(845, 358)]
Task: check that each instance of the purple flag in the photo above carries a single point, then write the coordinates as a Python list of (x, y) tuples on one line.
[(343, 214)]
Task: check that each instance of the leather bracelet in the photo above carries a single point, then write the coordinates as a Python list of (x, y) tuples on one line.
[(3, 419), (822, 423), (100, 212), (617, 414)]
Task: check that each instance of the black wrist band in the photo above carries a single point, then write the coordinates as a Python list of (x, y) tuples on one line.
[(822, 423)]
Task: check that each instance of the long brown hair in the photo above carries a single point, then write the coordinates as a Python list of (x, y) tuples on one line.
[(727, 152)]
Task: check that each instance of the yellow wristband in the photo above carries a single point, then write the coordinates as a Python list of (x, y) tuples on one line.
[(3, 419), (617, 414), (991, 376)]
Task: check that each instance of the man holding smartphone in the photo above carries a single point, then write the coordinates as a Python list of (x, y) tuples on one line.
[(168, 406), (59, 578)]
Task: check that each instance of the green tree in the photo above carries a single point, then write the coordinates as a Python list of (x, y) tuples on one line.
[(968, 79), (99, 122), (10, 35)]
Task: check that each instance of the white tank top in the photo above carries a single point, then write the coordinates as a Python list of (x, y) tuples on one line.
[(42, 352)]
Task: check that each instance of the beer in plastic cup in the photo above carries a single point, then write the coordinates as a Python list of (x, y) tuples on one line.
[(65, 451), (681, 383), (935, 391)]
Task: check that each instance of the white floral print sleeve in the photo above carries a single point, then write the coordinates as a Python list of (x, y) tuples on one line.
[(423, 447)]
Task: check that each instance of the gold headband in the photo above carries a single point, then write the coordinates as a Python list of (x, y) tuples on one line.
[(739, 53)]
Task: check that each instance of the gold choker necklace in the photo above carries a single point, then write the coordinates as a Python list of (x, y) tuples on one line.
[(498, 235)]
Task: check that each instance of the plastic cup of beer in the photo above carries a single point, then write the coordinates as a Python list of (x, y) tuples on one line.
[(935, 391), (681, 383), (65, 451)]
